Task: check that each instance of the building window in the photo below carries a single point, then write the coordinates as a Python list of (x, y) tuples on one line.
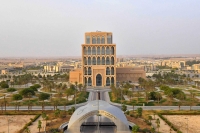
[(107, 50), (94, 61), (86, 81), (98, 50), (89, 71), (87, 39), (93, 50), (89, 81), (85, 70), (98, 40), (112, 70), (98, 61), (89, 50), (85, 60), (89, 60), (94, 40), (107, 71), (85, 50), (103, 50), (112, 50), (107, 81), (107, 61), (109, 39), (102, 40), (103, 61), (112, 60), (112, 80)]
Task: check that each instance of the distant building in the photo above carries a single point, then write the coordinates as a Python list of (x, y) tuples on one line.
[(173, 63), (99, 63), (59, 67), (196, 67)]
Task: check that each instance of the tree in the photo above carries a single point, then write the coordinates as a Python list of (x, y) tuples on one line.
[(158, 96), (57, 112), (181, 97), (27, 130), (3, 84), (80, 87), (44, 115), (158, 123), (124, 107), (17, 97), (26, 91), (135, 129), (153, 130), (139, 111), (150, 118), (39, 125), (44, 96), (68, 92)]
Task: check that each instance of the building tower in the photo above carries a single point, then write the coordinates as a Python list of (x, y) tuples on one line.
[(98, 59)]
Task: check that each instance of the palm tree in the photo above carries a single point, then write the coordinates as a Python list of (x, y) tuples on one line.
[(150, 118), (181, 97), (158, 123), (130, 94), (158, 96), (170, 95), (80, 87), (27, 130), (39, 125), (192, 99)]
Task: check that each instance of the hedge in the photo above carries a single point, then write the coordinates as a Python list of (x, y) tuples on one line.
[(29, 123)]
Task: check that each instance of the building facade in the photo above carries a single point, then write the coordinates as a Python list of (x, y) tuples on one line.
[(99, 63), (99, 59)]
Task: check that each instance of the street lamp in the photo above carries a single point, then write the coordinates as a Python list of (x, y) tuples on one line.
[(75, 97), (98, 110), (121, 95)]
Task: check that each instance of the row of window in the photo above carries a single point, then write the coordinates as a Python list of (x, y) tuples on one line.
[(98, 50), (99, 61), (109, 71), (99, 40), (109, 81)]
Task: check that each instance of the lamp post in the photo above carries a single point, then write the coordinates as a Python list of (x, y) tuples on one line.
[(121, 95), (75, 97), (98, 111)]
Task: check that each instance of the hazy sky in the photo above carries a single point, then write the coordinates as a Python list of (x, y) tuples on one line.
[(45, 28)]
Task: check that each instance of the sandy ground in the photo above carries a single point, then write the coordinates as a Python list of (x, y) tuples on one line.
[(16, 122), (164, 128), (33, 128), (184, 122)]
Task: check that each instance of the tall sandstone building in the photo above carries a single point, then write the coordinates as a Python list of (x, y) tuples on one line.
[(99, 62)]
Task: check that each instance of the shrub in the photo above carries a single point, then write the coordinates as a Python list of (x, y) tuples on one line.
[(11, 89), (25, 92), (3, 84)]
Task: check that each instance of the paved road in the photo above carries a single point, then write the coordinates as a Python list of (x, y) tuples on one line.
[(104, 96), (102, 119)]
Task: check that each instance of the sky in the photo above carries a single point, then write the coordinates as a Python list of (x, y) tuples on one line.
[(56, 28)]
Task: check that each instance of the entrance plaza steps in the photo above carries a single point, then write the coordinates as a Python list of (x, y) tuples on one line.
[(100, 124), (98, 87)]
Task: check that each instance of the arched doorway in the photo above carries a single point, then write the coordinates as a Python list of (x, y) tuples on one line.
[(98, 80)]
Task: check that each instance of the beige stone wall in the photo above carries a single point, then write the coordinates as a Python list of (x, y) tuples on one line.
[(75, 76), (129, 74)]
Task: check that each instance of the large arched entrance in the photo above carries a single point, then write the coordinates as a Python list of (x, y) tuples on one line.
[(98, 80), (80, 117)]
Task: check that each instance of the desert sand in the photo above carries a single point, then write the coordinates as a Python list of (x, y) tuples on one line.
[(16, 122), (185, 122)]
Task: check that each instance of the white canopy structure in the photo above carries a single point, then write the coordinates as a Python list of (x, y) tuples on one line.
[(105, 109)]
